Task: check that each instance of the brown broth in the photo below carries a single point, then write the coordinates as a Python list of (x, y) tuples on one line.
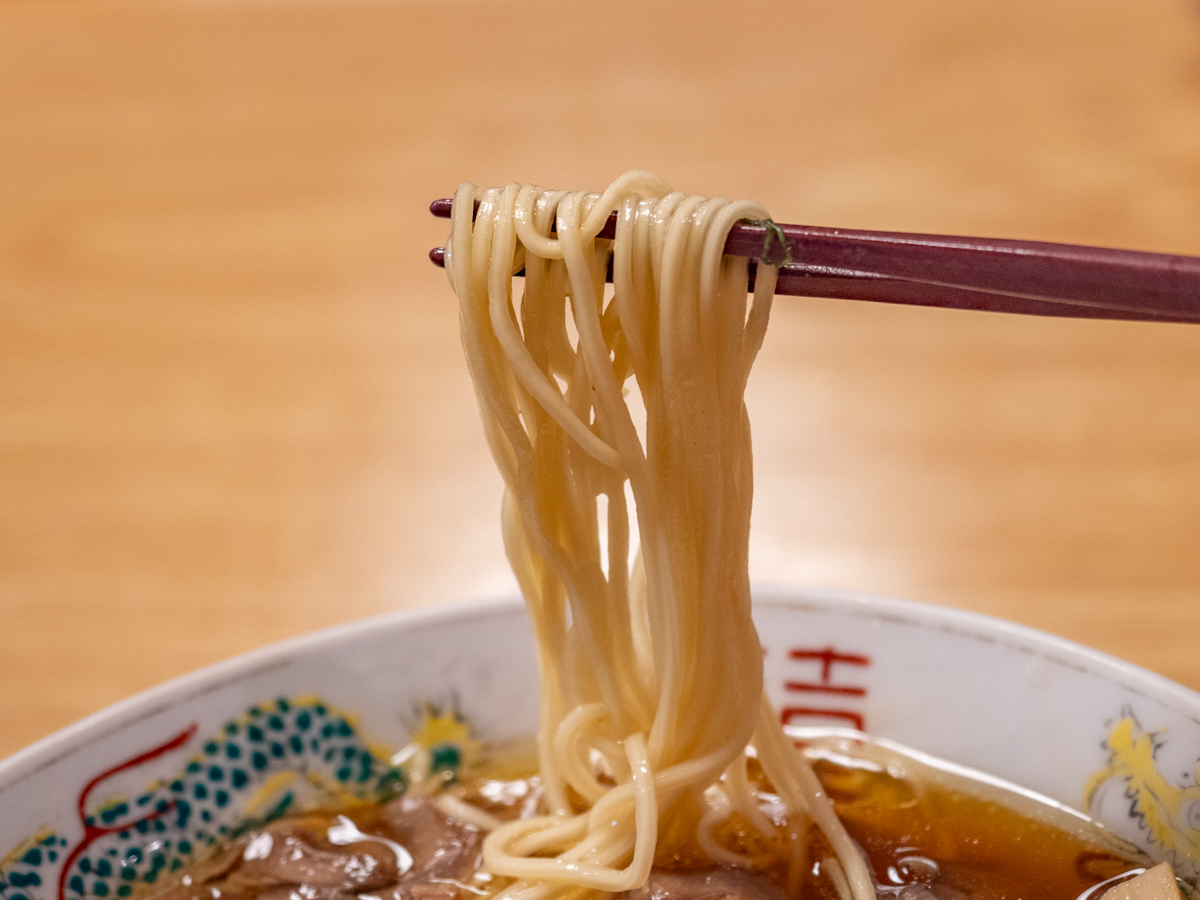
[(962, 845)]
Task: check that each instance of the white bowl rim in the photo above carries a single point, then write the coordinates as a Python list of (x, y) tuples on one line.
[(961, 623)]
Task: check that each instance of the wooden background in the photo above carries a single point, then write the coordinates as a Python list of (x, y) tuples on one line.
[(232, 407)]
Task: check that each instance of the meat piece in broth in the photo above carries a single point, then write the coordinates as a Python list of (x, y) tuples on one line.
[(441, 846), (288, 861), (709, 884), (283, 855)]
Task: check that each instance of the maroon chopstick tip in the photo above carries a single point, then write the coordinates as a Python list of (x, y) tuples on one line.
[(442, 208), (437, 256)]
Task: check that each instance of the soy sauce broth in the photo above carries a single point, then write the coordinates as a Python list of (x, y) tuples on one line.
[(960, 845), (958, 834)]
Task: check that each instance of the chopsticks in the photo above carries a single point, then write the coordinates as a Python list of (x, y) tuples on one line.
[(997, 275)]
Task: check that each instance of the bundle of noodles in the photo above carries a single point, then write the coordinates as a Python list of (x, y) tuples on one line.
[(651, 668)]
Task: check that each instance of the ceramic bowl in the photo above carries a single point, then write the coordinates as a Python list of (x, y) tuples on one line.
[(143, 787)]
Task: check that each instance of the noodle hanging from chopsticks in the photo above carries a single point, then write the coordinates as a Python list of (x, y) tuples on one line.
[(650, 665)]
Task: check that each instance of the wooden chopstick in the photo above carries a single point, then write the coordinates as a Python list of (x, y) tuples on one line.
[(998, 275)]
